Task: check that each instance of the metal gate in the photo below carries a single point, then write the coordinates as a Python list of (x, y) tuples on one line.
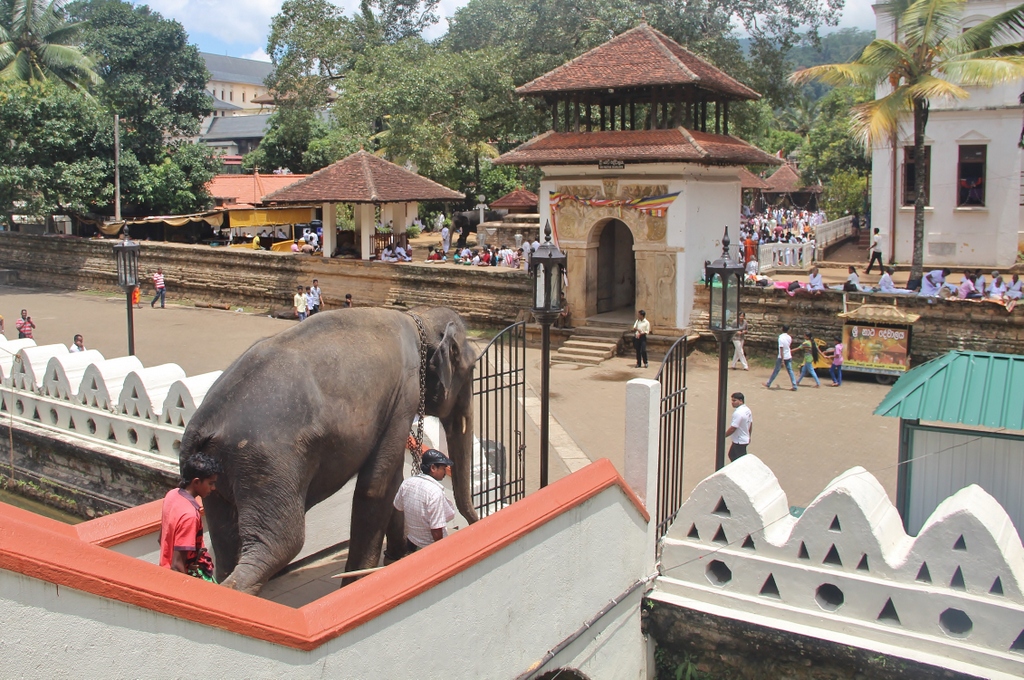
[(499, 446), (672, 376)]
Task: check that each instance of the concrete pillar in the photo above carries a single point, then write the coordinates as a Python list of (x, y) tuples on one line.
[(643, 410), (330, 241), (412, 211), (387, 214), (398, 215), (365, 227)]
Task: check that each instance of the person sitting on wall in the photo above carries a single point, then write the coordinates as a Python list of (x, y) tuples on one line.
[(295, 245), (306, 248), (967, 289), (997, 289), (1014, 291), (181, 520), (388, 254), (77, 344), (402, 255), (933, 282), (814, 281)]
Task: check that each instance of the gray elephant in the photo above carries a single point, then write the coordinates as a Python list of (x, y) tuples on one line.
[(299, 414)]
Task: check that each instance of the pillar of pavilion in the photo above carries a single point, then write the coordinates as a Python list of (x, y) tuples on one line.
[(369, 183), (640, 174)]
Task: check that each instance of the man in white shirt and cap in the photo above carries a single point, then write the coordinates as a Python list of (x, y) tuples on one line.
[(421, 498)]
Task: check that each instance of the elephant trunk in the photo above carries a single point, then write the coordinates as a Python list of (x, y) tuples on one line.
[(459, 432)]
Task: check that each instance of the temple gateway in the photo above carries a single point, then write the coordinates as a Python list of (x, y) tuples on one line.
[(640, 174)]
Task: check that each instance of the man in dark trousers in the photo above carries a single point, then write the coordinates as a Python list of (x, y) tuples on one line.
[(641, 329), (876, 251)]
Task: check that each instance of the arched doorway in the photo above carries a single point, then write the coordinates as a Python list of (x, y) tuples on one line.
[(616, 267)]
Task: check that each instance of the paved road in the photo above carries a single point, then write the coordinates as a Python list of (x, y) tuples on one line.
[(807, 437)]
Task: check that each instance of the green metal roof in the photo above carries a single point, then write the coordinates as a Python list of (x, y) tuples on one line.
[(970, 388)]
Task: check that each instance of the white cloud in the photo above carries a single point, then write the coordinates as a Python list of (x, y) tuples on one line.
[(230, 21), (258, 55), (858, 14)]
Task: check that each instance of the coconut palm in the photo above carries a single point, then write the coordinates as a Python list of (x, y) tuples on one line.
[(37, 43), (928, 59)]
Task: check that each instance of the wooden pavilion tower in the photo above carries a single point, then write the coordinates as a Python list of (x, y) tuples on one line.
[(640, 173)]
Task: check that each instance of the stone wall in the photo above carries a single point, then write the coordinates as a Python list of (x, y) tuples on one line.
[(267, 280), (943, 326), (720, 647)]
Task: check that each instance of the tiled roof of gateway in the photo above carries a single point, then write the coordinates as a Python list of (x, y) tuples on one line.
[(676, 145), (786, 180), (363, 178), (520, 198), (749, 180), (640, 57)]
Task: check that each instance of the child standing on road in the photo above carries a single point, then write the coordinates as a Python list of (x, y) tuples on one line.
[(810, 349), (181, 520), (836, 369)]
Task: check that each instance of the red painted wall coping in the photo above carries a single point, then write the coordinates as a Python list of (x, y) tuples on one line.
[(77, 557)]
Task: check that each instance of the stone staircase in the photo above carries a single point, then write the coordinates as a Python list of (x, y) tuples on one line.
[(591, 344)]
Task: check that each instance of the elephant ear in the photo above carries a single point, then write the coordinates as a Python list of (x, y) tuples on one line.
[(442, 364)]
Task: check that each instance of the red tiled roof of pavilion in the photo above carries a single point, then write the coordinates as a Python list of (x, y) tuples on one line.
[(520, 198), (640, 57), (637, 146), (786, 180), (749, 180), (363, 178), (249, 189)]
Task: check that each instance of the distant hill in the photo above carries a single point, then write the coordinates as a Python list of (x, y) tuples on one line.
[(835, 48)]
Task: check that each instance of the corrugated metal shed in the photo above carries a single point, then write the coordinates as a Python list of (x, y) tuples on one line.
[(969, 388)]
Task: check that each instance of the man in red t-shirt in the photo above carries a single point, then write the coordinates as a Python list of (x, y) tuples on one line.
[(181, 521)]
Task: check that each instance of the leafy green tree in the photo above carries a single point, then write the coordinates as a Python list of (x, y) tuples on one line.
[(38, 43), (152, 77), (832, 145), (290, 132), (931, 57), (436, 109), (176, 183), (313, 43), (57, 155), (845, 192)]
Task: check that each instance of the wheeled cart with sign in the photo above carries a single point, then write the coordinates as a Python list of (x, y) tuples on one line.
[(876, 339)]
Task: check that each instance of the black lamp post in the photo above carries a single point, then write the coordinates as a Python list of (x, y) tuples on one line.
[(546, 267), (723, 277), (126, 253)]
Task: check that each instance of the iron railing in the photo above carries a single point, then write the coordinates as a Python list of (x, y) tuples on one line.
[(672, 376), (499, 448)]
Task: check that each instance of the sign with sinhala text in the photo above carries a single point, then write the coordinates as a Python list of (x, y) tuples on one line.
[(611, 165), (873, 347)]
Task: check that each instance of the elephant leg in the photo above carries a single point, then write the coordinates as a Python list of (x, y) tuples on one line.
[(269, 538), (222, 522), (372, 506), (396, 531)]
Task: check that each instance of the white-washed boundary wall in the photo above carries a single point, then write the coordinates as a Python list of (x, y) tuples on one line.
[(845, 571), (117, 403)]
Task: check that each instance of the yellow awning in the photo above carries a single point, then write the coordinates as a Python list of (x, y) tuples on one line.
[(270, 217)]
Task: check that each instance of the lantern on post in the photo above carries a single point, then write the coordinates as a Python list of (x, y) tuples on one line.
[(547, 265), (723, 278), (126, 254)]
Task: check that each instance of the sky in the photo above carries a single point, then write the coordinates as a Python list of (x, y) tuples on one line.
[(239, 28)]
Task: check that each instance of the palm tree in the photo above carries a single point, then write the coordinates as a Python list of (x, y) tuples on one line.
[(929, 58), (37, 43)]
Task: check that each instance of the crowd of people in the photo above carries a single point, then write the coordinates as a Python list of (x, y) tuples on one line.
[(779, 225)]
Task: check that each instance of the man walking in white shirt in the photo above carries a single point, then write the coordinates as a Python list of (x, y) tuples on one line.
[(740, 428), (422, 500), (876, 252), (785, 356)]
